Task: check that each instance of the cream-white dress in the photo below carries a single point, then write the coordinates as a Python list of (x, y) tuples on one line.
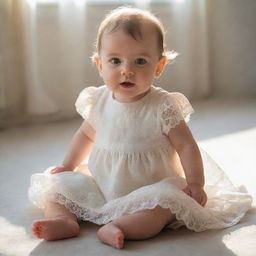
[(133, 166)]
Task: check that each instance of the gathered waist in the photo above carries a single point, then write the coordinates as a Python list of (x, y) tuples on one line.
[(132, 148)]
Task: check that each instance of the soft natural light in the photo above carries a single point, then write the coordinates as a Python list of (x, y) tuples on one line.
[(77, 3), (80, 3), (229, 143), (14, 234), (235, 241), (33, 3), (143, 4), (43, 1)]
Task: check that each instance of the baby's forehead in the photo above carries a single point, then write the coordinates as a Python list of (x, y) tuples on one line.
[(122, 40), (142, 33), (129, 48)]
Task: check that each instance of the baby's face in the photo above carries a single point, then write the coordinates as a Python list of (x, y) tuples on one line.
[(128, 66)]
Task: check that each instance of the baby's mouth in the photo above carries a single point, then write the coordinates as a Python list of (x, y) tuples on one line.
[(127, 84)]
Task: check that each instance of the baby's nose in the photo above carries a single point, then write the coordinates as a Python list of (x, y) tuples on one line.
[(126, 69), (127, 73)]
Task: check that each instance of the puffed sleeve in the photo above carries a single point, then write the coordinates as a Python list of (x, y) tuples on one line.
[(84, 104), (174, 108)]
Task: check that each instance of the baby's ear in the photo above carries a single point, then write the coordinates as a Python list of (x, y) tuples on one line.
[(160, 66), (98, 64)]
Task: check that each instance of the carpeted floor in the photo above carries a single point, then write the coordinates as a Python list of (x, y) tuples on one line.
[(225, 129)]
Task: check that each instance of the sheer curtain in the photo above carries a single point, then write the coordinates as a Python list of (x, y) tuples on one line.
[(42, 60), (45, 49)]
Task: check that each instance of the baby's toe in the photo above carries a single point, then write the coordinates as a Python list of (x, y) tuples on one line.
[(37, 229), (119, 240)]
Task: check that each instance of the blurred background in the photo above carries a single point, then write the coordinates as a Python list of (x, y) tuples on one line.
[(45, 49)]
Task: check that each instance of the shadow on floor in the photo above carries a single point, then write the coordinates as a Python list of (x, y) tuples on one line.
[(168, 242)]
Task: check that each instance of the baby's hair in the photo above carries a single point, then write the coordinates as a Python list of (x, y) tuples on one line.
[(130, 21)]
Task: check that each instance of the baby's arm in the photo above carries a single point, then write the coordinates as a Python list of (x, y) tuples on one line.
[(182, 140), (80, 147)]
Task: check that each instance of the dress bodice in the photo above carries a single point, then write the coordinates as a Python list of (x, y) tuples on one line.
[(129, 127)]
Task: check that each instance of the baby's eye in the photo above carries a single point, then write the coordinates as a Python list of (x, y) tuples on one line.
[(115, 61), (140, 61)]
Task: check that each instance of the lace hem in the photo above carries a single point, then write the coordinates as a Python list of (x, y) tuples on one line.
[(182, 214), (174, 109)]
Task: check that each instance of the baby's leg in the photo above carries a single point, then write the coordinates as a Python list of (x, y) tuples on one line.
[(59, 223), (137, 226)]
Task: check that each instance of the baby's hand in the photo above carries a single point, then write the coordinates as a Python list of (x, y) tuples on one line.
[(59, 169), (196, 192)]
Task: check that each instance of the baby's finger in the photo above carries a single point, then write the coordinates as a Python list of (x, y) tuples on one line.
[(187, 191), (204, 201), (55, 170)]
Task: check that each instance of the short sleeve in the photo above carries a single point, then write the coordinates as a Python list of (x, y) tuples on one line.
[(84, 104), (174, 108)]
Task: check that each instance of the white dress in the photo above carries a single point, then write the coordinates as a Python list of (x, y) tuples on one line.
[(133, 166)]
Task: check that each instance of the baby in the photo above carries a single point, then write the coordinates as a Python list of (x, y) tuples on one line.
[(145, 168)]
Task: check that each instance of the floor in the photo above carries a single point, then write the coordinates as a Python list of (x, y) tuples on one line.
[(226, 129)]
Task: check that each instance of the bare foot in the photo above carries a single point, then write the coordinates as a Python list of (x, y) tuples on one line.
[(56, 228), (112, 235)]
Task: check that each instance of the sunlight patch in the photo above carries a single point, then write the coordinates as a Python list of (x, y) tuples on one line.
[(242, 241), (14, 239)]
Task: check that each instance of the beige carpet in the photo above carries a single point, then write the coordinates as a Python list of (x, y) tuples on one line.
[(225, 129)]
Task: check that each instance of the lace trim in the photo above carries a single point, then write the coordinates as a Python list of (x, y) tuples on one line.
[(174, 109), (84, 103), (183, 216)]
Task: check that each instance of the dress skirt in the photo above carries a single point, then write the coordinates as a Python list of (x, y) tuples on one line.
[(80, 194)]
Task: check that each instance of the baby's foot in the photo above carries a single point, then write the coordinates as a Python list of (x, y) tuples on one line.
[(112, 235), (55, 228)]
